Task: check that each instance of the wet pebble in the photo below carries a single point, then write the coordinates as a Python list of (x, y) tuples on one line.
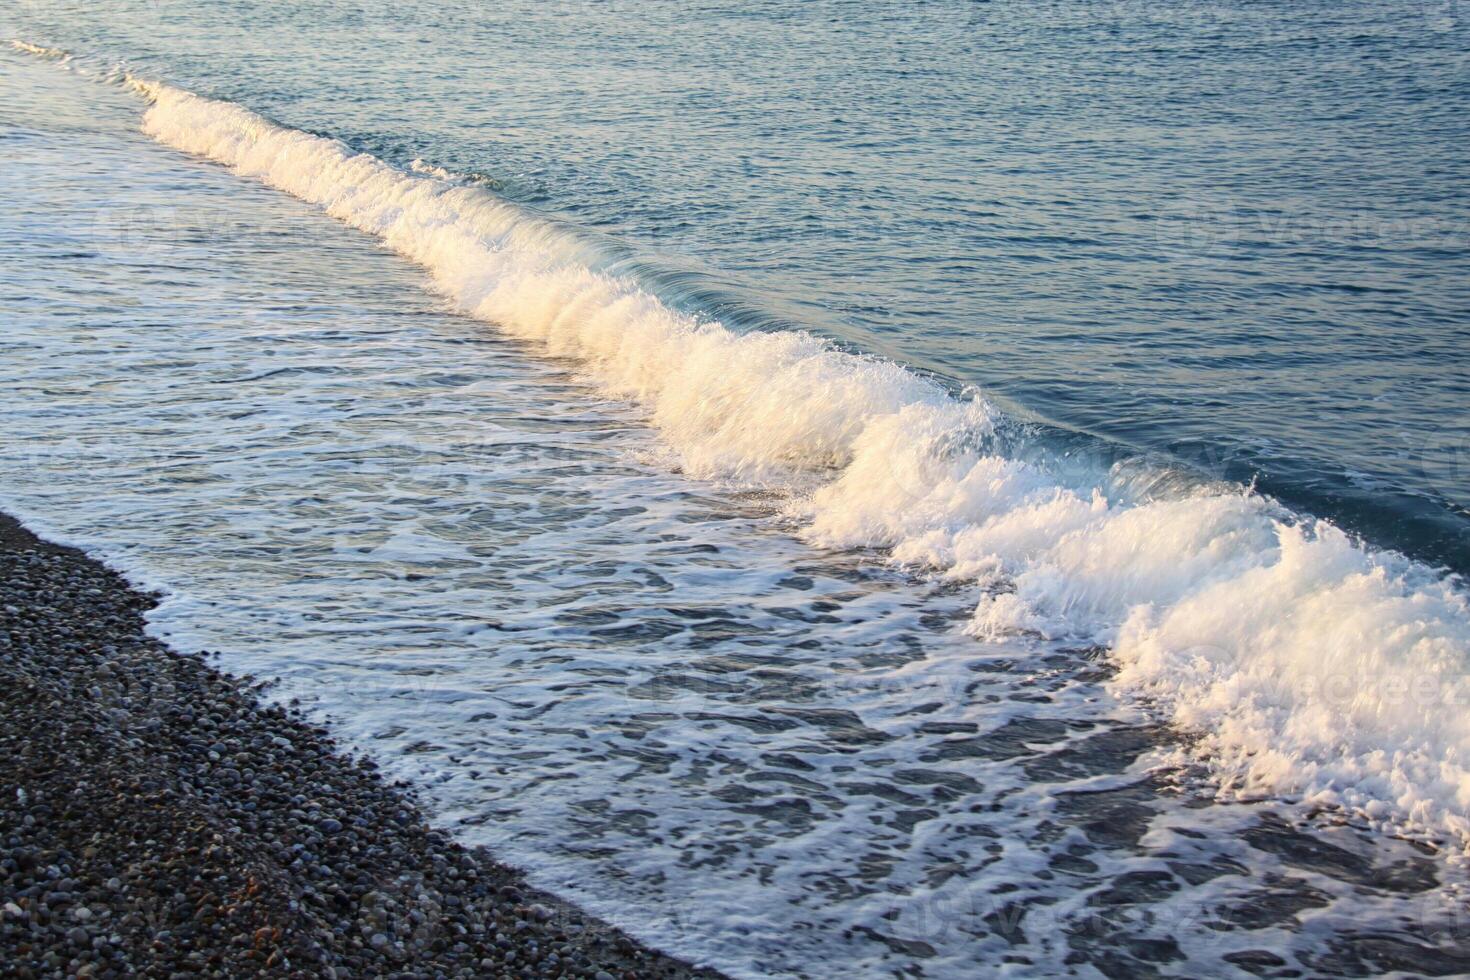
[(166, 822)]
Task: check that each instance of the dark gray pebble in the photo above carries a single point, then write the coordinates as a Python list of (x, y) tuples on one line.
[(159, 820)]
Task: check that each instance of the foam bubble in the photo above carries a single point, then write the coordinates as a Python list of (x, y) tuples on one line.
[(1312, 666), (40, 51)]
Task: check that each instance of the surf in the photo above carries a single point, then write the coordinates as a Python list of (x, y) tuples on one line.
[(1309, 666)]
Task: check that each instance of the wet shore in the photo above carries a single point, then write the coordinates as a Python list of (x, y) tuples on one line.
[(156, 816)]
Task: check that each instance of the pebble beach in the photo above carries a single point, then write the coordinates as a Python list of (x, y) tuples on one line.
[(160, 818)]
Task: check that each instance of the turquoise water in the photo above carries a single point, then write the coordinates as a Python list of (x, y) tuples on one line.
[(782, 476), (1231, 233)]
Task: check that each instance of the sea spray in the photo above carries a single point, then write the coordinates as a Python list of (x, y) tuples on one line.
[(1311, 666)]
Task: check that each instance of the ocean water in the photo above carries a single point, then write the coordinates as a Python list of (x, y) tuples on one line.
[(901, 489)]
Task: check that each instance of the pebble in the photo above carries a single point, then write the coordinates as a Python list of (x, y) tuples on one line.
[(203, 831)]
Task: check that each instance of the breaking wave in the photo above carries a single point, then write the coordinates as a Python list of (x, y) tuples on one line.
[(1309, 665)]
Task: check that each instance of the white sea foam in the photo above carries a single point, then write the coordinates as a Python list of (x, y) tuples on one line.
[(51, 54), (1311, 666)]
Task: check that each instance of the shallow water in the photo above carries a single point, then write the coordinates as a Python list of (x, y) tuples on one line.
[(670, 697)]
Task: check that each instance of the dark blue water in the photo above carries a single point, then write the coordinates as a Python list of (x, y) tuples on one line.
[(1231, 233)]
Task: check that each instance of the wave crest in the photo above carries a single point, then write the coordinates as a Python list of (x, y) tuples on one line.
[(1312, 666)]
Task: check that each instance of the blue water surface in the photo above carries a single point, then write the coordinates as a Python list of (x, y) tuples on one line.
[(1228, 232)]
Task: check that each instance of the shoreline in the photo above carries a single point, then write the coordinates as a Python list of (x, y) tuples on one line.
[(159, 817)]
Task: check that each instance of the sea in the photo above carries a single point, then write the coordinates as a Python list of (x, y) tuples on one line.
[(926, 489)]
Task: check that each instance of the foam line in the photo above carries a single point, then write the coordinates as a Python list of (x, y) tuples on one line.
[(1312, 667)]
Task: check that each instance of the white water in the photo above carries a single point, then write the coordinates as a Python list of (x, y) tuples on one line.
[(776, 757), (1311, 666)]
